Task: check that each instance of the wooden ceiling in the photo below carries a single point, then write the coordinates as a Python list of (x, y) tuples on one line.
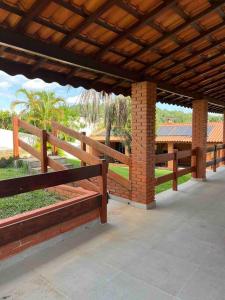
[(107, 45)]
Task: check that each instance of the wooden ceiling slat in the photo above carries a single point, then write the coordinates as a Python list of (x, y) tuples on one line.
[(37, 7), (92, 18), (14, 68), (186, 45), (146, 19), (213, 7), (46, 56), (202, 75), (194, 54), (210, 86), (181, 74)]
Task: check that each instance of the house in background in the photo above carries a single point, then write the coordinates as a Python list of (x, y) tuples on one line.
[(170, 136)]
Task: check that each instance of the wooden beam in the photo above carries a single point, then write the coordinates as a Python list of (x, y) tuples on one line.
[(175, 31), (204, 75), (188, 68), (46, 218), (35, 9), (89, 20), (15, 68), (54, 53), (15, 186), (146, 19)]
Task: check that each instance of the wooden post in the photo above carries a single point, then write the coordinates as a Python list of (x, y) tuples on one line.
[(83, 147), (15, 122), (103, 188), (214, 158), (175, 166), (44, 155), (55, 133)]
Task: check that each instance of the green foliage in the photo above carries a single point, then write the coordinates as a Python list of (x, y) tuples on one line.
[(6, 162), (5, 119), (100, 107), (40, 107), (163, 115), (124, 171), (10, 206)]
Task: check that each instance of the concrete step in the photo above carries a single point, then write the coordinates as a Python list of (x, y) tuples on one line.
[(35, 163)]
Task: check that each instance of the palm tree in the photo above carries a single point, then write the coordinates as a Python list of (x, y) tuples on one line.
[(97, 106), (40, 107)]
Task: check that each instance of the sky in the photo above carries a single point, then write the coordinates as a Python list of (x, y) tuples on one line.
[(9, 85)]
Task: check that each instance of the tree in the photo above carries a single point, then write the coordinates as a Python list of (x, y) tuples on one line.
[(5, 119), (40, 107), (99, 106)]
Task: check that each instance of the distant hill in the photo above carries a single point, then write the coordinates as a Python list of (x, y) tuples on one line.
[(165, 116)]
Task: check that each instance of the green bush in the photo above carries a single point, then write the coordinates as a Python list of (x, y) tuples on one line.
[(5, 163)]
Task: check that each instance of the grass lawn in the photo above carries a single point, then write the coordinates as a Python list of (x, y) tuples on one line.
[(10, 206), (123, 171)]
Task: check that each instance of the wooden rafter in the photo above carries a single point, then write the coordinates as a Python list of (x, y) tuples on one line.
[(146, 19), (92, 18), (37, 7)]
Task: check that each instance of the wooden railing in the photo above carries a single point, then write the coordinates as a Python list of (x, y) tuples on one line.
[(105, 150), (46, 160), (42, 155), (53, 217), (176, 172), (218, 156)]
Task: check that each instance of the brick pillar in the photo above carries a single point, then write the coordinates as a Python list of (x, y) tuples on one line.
[(143, 144), (199, 136), (170, 150), (223, 142)]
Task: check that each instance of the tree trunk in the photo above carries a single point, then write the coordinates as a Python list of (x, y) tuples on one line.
[(107, 137)]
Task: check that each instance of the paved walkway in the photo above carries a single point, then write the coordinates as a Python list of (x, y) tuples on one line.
[(174, 252)]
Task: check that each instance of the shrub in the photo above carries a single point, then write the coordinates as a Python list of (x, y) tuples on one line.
[(5, 163)]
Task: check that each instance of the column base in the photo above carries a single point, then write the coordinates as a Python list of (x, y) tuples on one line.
[(199, 179), (132, 203)]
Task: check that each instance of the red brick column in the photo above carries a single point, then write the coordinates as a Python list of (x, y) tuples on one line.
[(170, 149), (223, 142), (199, 136), (143, 144)]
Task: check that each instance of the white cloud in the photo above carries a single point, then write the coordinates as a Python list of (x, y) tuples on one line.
[(5, 84), (39, 84), (73, 99)]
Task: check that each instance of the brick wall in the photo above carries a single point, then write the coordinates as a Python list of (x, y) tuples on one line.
[(170, 149), (115, 188), (143, 142), (199, 136)]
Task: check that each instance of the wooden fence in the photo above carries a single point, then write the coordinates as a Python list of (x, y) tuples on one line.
[(218, 156), (18, 230), (176, 173), (105, 150), (46, 161), (160, 158)]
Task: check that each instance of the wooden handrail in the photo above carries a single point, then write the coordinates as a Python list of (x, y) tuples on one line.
[(119, 179), (165, 157), (29, 149), (63, 175), (82, 155), (30, 128), (15, 186), (94, 144), (175, 156)]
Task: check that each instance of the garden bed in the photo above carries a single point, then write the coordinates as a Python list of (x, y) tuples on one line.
[(11, 206)]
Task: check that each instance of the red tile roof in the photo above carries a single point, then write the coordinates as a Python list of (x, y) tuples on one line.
[(215, 134)]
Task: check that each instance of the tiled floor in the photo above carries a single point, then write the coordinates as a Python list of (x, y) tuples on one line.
[(176, 251)]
